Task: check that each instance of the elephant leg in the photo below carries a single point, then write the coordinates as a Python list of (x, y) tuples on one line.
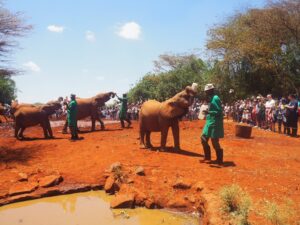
[(164, 135), (17, 129), (101, 122), (175, 131), (49, 129), (93, 123), (65, 129), (44, 126), (21, 132), (148, 140), (142, 138)]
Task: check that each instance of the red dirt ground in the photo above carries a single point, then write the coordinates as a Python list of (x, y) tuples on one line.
[(267, 166)]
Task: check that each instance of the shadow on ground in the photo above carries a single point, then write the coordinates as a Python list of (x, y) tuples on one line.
[(174, 151), (20, 155)]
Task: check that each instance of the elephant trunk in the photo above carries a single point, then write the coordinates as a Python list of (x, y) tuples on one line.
[(51, 108)]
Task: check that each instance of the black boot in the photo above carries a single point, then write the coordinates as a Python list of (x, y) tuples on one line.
[(122, 124), (206, 148), (219, 153), (207, 153)]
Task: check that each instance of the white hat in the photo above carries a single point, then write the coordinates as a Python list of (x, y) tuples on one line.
[(209, 87), (194, 87)]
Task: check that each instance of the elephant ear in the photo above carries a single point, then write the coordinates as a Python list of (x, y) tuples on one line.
[(170, 109)]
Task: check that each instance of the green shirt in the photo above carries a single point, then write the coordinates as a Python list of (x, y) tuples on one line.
[(214, 120), (123, 110), (72, 113)]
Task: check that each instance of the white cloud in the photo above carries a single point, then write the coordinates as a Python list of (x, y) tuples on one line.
[(100, 78), (90, 36), (32, 66), (55, 28), (130, 30)]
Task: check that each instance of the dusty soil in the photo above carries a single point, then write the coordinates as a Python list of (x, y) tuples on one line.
[(267, 166)]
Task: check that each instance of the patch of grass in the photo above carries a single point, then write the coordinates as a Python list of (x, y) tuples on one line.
[(236, 203), (279, 214), (118, 174)]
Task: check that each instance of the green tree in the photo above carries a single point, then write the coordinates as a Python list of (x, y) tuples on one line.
[(172, 74), (7, 89), (248, 47)]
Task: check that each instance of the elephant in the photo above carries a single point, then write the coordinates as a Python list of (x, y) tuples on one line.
[(159, 116), (15, 106), (27, 116), (89, 107)]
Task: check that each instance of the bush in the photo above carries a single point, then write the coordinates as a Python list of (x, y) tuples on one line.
[(279, 214), (236, 203)]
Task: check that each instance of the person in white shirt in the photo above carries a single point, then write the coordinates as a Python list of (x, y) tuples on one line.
[(227, 110), (270, 106)]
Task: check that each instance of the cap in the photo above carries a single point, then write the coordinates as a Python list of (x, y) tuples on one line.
[(209, 87)]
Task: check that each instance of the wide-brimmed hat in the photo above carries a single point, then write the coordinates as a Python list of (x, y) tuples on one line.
[(73, 96), (209, 87)]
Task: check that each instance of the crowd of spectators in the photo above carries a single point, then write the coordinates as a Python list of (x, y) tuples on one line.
[(112, 112), (267, 113), (277, 115)]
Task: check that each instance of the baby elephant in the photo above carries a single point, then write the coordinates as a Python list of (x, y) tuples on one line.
[(159, 116), (28, 116)]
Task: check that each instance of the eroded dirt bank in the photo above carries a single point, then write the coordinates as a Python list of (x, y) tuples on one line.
[(267, 167)]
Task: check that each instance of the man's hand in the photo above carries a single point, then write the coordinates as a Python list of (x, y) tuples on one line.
[(205, 112)]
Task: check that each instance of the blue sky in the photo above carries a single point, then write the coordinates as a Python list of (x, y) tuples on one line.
[(91, 46)]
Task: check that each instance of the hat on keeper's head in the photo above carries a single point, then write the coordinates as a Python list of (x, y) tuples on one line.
[(73, 96), (209, 87)]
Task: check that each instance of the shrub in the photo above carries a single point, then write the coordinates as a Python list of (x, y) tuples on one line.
[(236, 202), (279, 214)]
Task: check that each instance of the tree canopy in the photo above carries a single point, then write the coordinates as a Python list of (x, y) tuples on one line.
[(259, 49), (12, 26), (172, 74), (256, 51)]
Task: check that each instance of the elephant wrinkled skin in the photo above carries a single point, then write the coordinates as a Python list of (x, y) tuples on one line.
[(159, 116), (89, 107), (27, 116)]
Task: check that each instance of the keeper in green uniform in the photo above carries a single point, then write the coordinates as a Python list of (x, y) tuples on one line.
[(72, 117), (214, 125), (123, 111)]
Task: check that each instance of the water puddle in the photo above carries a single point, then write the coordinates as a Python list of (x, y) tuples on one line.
[(88, 208)]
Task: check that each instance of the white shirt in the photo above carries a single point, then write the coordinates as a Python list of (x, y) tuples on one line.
[(270, 104)]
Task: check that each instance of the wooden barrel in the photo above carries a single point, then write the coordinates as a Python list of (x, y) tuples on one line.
[(243, 131)]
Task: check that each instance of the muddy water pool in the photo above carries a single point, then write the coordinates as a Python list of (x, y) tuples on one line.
[(88, 208)]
